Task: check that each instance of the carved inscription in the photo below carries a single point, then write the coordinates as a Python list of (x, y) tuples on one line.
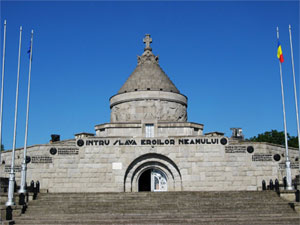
[(293, 166), (235, 149), (68, 151), (262, 157), (141, 142), (207, 141), (41, 159), (16, 168), (158, 142), (97, 142), (127, 142)]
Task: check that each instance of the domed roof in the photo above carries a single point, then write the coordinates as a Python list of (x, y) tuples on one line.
[(148, 75)]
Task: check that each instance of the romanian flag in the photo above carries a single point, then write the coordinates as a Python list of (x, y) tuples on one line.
[(279, 53)]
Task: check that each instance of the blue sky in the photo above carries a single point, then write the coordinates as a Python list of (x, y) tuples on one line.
[(221, 55)]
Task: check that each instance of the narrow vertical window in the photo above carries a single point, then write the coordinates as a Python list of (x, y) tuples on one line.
[(149, 130)]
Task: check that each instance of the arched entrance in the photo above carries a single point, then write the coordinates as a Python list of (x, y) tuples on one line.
[(151, 162), (153, 180)]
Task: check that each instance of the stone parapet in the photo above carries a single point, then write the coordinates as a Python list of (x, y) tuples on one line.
[(136, 129)]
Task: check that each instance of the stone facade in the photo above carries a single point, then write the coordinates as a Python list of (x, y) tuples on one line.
[(149, 131), (197, 163)]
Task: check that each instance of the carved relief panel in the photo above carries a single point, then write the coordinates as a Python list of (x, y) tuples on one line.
[(149, 109)]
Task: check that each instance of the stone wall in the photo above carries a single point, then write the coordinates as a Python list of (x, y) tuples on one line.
[(196, 163)]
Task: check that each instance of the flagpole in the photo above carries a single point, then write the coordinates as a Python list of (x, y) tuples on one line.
[(287, 163), (11, 187), (295, 91), (24, 164), (2, 88)]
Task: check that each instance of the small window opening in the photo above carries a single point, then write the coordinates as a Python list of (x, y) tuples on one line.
[(149, 130)]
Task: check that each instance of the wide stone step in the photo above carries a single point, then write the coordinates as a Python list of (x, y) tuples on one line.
[(158, 203), (164, 207), (217, 221), (74, 200), (200, 200), (150, 214), (231, 207), (154, 210), (146, 213), (159, 194)]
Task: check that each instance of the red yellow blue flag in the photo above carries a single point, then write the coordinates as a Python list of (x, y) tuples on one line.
[(279, 53)]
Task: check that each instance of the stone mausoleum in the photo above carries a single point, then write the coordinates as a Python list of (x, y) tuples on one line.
[(149, 145)]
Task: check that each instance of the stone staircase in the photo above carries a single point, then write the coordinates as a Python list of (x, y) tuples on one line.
[(226, 208)]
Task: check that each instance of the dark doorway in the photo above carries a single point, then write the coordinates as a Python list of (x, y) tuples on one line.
[(145, 181)]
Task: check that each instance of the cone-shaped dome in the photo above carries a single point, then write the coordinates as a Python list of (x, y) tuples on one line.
[(148, 94), (148, 75)]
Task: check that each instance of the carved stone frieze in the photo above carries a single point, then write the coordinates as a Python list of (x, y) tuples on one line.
[(149, 109)]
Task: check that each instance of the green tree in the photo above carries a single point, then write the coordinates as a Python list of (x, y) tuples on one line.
[(293, 142), (2, 147), (275, 137)]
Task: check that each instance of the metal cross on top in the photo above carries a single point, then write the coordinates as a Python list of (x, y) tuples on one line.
[(147, 40)]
